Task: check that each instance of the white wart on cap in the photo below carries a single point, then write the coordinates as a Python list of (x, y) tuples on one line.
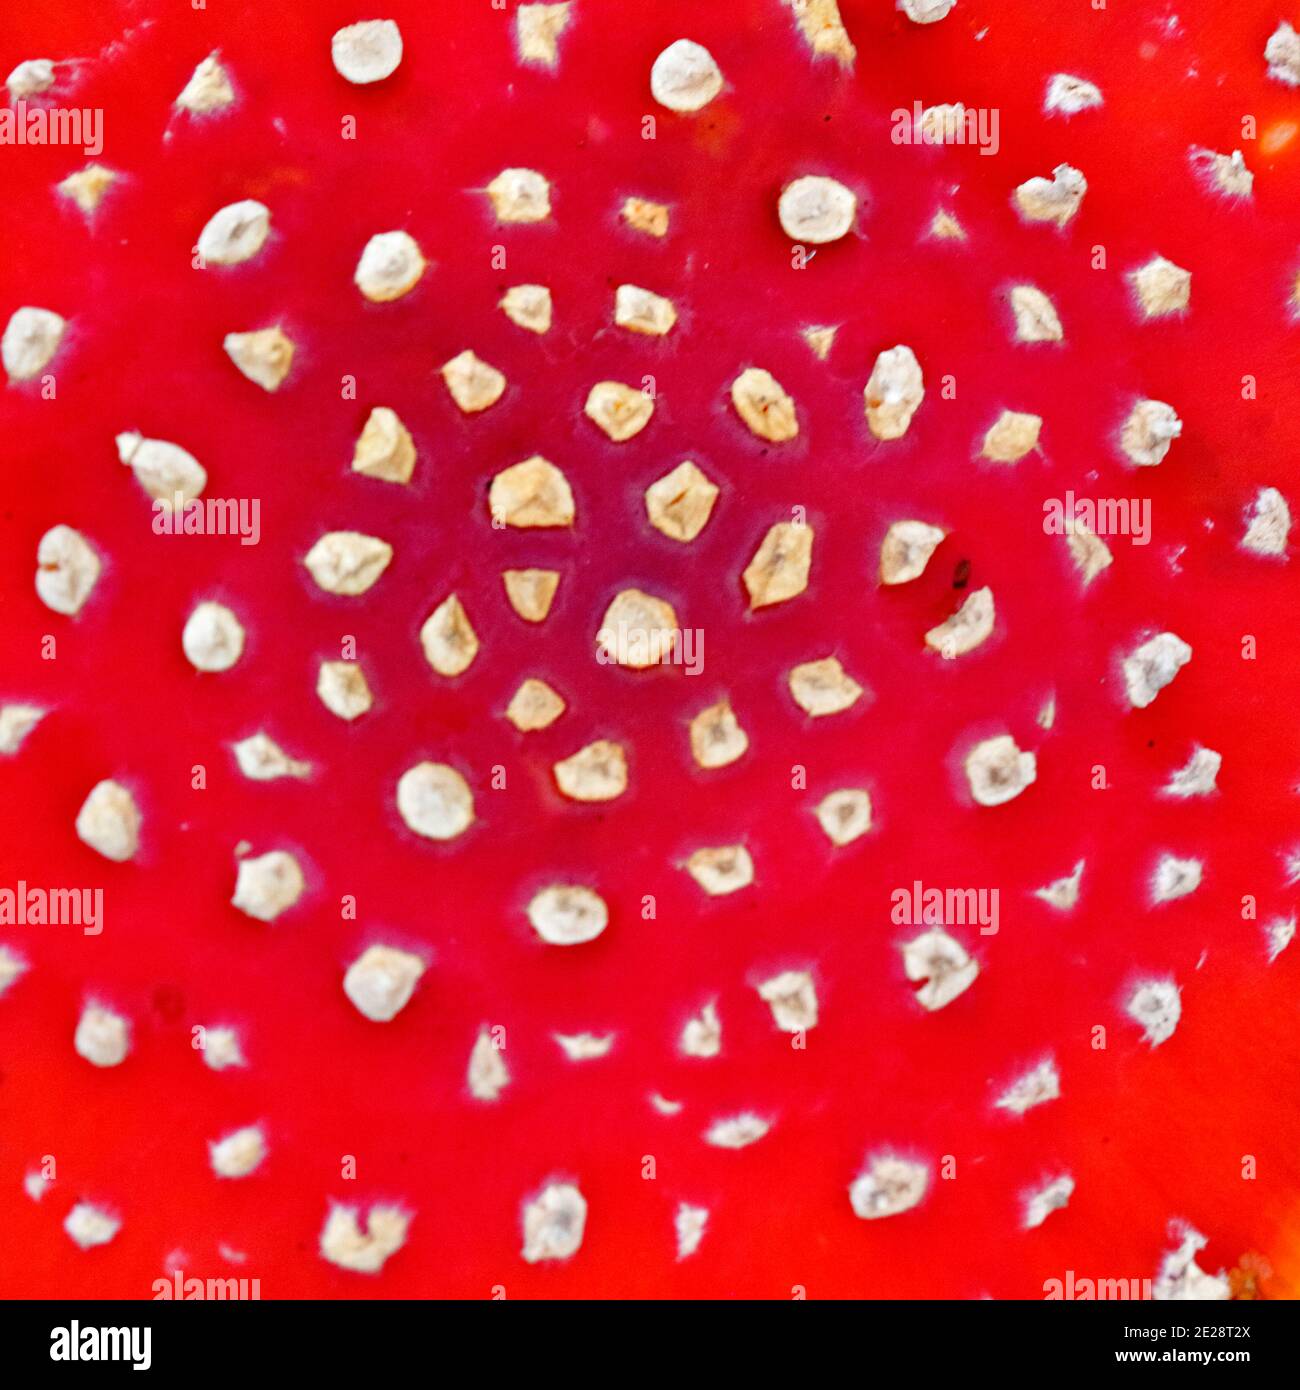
[(685, 77)]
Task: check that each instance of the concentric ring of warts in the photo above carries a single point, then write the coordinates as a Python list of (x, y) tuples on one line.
[(567, 914), (722, 869), (685, 77), (781, 564), (448, 639), (717, 740), (893, 392), (268, 885), (238, 1153), (209, 89), (945, 965), (67, 570), (1152, 665), (888, 1186), (596, 772), (381, 980), (264, 356), (391, 265), (763, 404), (823, 687), (642, 311), (969, 626), (31, 338), (680, 503), (367, 52), (234, 233), (1054, 200), (213, 638), (384, 449), (637, 631), (533, 706), (109, 821), (998, 770), (1161, 288), (792, 997), (816, 210), (906, 550), (520, 195), (845, 815), (163, 469), (620, 411), (435, 801), (345, 1244), (1150, 429), (103, 1037), (341, 686), (474, 385), (534, 493), (347, 562)]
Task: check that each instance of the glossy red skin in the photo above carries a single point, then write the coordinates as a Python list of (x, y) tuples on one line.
[(1148, 1135)]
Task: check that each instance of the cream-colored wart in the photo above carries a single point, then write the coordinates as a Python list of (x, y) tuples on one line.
[(16, 722), (1036, 318), (213, 638), (344, 1243), (762, 403), (685, 77), (889, 1186), (926, 11), (942, 124), (945, 227), (103, 1037), (268, 885), (596, 772), (816, 210), (531, 592), (893, 392), (621, 411), (67, 570), (969, 626), (906, 550), (1282, 54), (717, 740), (1089, 552), (1175, 878), (534, 706), (239, 1153), (998, 770), (680, 503), (553, 1223), (87, 187), (642, 311), (448, 639), (845, 815), (31, 78), (792, 997), (537, 32), (487, 1074), (87, 1225), (435, 801), (637, 631), (381, 980), (701, 1036), (823, 687), (824, 32), (264, 355), (1197, 777), (567, 914), (1161, 287), (261, 759), (1067, 96), (367, 52), (1053, 200), (1041, 1203), (1268, 524), (342, 688), (163, 469), (736, 1131), (109, 821), (384, 449), (533, 493), (690, 1222), (474, 385), (1181, 1279), (1150, 429), (781, 564), (12, 968), (31, 338), (391, 265), (529, 306), (642, 215), (1011, 436), (520, 195), (820, 339), (584, 1047), (1036, 1087), (1151, 666), (235, 233), (347, 562), (1156, 1006), (722, 869), (943, 963), (1226, 173), (209, 89)]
